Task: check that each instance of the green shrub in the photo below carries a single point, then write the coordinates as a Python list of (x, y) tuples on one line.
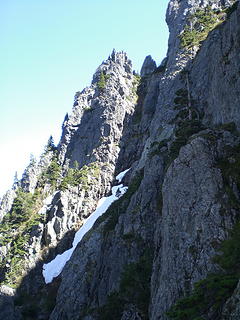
[(136, 82), (134, 289), (202, 22), (53, 173), (84, 176), (229, 259), (183, 133), (229, 126), (101, 84), (212, 292), (50, 146), (15, 230), (230, 169), (135, 283)]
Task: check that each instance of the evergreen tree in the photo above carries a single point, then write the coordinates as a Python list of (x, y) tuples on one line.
[(102, 81), (15, 179), (50, 145)]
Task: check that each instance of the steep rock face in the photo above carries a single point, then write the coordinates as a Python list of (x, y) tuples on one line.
[(194, 219), (120, 238), (92, 133), (149, 65), (71, 180), (196, 236), (6, 202), (151, 246), (177, 14), (215, 87), (190, 218), (8, 311), (231, 310)]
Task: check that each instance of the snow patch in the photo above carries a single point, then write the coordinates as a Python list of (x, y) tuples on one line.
[(120, 176), (54, 267)]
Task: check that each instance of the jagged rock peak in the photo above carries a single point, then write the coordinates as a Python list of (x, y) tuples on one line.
[(118, 57), (149, 65), (116, 62)]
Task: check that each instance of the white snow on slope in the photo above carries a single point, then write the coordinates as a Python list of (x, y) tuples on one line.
[(120, 176), (54, 267)]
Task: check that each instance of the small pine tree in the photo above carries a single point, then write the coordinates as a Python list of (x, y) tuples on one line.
[(15, 179), (102, 81), (75, 165), (32, 160), (50, 145)]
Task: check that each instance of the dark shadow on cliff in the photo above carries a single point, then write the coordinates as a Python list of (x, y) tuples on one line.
[(87, 135), (33, 298), (136, 126)]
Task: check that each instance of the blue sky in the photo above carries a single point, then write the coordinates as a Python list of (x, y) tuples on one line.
[(49, 50)]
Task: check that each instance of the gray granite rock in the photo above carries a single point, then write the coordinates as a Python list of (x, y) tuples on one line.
[(149, 65), (6, 202), (192, 222), (178, 209), (231, 309)]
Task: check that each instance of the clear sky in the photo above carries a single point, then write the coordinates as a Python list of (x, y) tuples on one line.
[(49, 50)]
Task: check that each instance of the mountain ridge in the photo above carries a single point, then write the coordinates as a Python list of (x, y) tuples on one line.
[(176, 127)]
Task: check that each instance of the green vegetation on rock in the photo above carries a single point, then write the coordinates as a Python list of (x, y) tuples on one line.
[(183, 133), (84, 176), (15, 231), (210, 294), (230, 168), (50, 146), (53, 173), (199, 25), (101, 84), (134, 289)]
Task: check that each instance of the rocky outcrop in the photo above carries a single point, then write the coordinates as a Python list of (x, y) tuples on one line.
[(149, 65), (215, 91), (34, 170), (6, 202), (194, 219), (68, 183), (176, 127), (231, 310), (8, 312), (92, 133), (177, 16)]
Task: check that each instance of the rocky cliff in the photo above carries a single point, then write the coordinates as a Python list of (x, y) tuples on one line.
[(165, 246)]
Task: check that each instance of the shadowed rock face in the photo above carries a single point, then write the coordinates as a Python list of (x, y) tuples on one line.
[(152, 245), (149, 65), (192, 220)]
